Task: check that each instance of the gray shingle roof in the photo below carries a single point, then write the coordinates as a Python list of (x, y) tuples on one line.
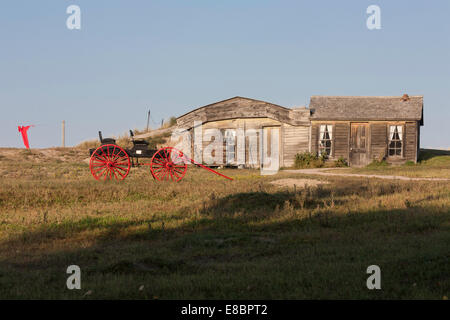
[(366, 108)]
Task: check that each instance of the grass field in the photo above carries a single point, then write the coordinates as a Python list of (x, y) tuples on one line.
[(432, 164), (209, 238)]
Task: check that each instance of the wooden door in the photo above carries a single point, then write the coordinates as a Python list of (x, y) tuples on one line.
[(359, 144), (270, 149)]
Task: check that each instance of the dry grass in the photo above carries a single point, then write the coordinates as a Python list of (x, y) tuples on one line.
[(297, 183), (207, 237)]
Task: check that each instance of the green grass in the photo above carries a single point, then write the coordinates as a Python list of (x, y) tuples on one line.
[(209, 238), (431, 164)]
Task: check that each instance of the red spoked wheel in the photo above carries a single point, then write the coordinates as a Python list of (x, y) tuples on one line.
[(168, 164), (110, 162)]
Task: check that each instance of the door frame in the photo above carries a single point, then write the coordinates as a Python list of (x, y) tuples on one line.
[(368, 140), (261, 142)]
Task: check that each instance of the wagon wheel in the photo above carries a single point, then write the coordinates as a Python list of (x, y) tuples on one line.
[(168, 164), (110, 161)]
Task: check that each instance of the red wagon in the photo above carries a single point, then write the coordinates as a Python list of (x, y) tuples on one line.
[(112, 162)]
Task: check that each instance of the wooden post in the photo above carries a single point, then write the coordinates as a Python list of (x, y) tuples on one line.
[(148, 119), (63, 137)]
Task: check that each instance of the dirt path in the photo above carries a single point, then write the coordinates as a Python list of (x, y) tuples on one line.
[(327, 172)]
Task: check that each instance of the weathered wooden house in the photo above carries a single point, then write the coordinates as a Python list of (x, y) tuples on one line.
[(363, 129), (243, 123)]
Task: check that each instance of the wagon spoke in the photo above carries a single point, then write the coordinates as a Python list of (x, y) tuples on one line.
[(123, 165), (159, 174), (103, 155), (178, 166), (98, 176), (114, 150), (100, 157), (120, 159), (158, 168), (164, 175), (98, 169), (159, 161), (116, 172), (175, 173), (98, 165), (121, 168), (122, 175)]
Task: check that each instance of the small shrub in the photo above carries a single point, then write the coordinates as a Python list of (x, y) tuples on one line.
[(377, 163), (323, 157), (309, 160), (341, 162)]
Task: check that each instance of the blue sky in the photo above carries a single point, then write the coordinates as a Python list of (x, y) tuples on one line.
[(173, 56)]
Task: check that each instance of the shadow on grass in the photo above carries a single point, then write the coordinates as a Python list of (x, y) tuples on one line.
[(427, 154), (290, 244)]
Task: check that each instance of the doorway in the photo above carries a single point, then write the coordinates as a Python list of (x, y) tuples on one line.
[(359, 144)]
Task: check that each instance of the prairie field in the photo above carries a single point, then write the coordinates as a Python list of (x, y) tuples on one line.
[(206, 237)]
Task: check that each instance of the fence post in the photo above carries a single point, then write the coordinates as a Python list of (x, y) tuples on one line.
[(63, 137)]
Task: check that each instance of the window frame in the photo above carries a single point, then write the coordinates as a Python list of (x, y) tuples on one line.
[(401, 139), (226, 145), (328, 127)]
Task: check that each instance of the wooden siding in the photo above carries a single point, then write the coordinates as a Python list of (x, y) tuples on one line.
[(341, 140), (293, 140), (296, 140), (379, 140), (314, 138), (410, 141)]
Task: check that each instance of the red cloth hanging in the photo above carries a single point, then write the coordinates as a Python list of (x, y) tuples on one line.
[(23, 130)]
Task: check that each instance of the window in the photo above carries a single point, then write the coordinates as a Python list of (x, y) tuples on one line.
[(395, 141), (325, 139), (230, 146)]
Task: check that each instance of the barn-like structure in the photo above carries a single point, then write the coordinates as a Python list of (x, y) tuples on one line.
[(255, 118), (357, 129)]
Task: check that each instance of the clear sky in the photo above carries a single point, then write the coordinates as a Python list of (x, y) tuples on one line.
[(173, 56)]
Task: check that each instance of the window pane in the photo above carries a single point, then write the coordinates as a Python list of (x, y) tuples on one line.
[(392, 144), (391, 152), (396, 137), (398, 152)]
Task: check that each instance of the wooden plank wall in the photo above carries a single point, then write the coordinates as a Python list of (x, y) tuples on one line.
[(296, 140), (293, 139), (410, 143), (379, 140), (341, 140), (314, 138)]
